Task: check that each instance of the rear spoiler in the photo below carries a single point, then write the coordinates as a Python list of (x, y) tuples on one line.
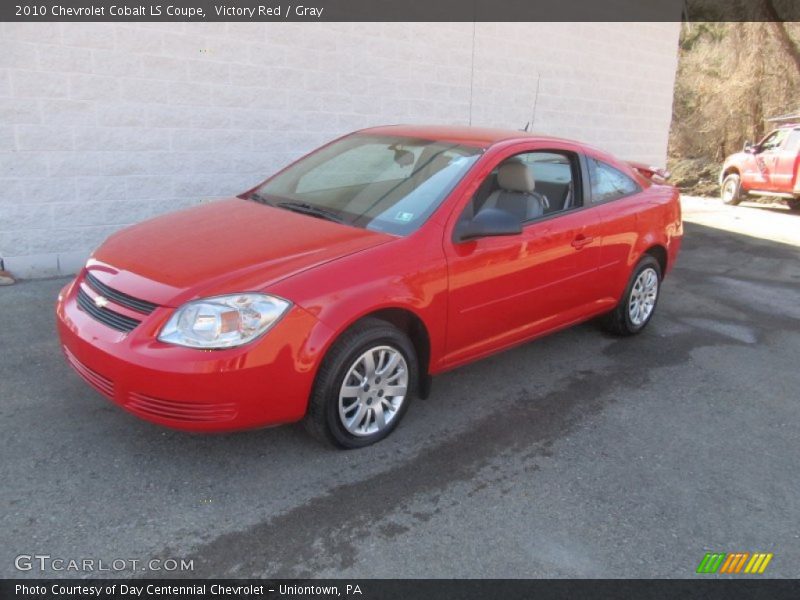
[(654, 174)]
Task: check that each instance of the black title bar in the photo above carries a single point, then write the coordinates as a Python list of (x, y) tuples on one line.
[(398, 10), (387, 589)]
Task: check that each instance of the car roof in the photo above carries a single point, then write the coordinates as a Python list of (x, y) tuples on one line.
[(481, 137)]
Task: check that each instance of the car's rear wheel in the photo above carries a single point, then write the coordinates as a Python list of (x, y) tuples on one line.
[(732, 189), (363, 386), (794, 204), (638, 303)]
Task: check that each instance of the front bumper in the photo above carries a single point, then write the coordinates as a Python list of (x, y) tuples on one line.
[(264, 383)]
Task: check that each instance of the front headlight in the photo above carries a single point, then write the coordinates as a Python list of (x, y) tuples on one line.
[(223, 321)]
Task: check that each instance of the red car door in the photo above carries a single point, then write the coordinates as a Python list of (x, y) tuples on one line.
[(766, 161), (506, 289), (786, 163)]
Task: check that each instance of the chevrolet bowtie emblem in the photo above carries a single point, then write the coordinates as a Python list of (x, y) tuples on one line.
[(101, 302)]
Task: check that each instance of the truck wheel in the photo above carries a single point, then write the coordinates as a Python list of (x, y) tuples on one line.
[(363, 386), (794, 204), (732, 190)]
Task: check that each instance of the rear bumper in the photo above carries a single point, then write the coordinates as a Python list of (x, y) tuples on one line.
[(261, 384)]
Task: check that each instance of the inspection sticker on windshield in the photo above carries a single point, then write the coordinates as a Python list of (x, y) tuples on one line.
[(404, 217)]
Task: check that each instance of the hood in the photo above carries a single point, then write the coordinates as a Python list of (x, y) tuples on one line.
[(222, 247), (738, 157)]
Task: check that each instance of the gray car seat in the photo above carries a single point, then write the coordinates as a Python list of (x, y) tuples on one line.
[(516, 194)]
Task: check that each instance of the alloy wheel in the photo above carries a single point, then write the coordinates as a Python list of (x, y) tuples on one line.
[(643, 296), (373, 390)]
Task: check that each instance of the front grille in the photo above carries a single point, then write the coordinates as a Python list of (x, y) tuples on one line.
[(180, 411), (107, 317), (102, 384), (142, 306)]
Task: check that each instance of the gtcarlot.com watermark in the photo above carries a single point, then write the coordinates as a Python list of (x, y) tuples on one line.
[(45, 563)]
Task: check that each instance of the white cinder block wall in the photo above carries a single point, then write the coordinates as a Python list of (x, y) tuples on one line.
[(103, 125)]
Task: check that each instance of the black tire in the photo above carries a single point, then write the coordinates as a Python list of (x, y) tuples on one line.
[(322, 419), (734, 182), (794, 204), (618, 321)]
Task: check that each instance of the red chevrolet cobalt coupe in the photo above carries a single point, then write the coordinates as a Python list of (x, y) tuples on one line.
[(334, 290)]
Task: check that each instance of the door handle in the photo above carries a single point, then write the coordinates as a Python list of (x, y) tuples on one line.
[(581, 240)]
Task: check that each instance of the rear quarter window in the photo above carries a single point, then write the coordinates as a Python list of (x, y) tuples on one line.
[(609, 183)]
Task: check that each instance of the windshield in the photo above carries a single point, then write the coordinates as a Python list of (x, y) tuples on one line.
[(383, 183)]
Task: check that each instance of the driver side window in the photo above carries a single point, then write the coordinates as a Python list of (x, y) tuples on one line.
[(530, 185), (773, 141)]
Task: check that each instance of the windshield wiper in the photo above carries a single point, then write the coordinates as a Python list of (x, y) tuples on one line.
[(255, 196), (311, 210)]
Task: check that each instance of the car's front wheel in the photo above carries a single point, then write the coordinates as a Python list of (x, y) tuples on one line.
[(363, 386), (732, 189), (638, 303)]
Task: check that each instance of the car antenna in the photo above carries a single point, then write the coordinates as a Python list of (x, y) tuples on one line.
[(529, 125)]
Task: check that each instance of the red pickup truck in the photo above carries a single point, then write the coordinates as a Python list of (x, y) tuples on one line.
[(768, 168)]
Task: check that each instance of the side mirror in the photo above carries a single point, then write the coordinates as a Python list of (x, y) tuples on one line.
[(748, 147), (489, 222)]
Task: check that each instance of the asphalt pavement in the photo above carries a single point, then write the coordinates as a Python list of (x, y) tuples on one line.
[(578, 455)]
